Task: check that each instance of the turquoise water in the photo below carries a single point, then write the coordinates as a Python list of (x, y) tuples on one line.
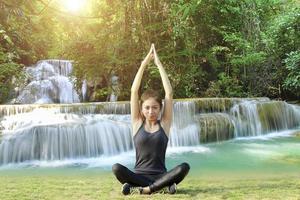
[(274, 155)]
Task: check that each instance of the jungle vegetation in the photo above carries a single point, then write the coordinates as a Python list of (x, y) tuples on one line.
[(210, 48)]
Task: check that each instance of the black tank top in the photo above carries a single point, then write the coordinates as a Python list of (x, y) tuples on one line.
[(150, 150)]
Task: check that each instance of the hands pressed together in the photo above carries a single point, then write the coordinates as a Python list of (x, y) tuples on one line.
[(152, 55)]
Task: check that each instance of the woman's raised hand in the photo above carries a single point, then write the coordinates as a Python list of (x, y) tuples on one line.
[(152, 55), (156, 59), (149, 56)]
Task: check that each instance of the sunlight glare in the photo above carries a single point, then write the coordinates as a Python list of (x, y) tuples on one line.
[(73, 5)]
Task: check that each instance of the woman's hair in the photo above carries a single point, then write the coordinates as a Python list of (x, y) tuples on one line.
[(149, 93)]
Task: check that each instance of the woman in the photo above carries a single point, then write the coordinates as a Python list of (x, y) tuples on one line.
[(150, 137)]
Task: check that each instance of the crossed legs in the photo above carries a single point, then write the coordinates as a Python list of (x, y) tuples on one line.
[(149, 184), (176, 175), (124, 175)]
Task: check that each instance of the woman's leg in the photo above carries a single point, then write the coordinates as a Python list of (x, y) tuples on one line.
[(176, 175), (124, 175)]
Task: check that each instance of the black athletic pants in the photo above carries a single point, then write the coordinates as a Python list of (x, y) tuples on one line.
[(155, 182)]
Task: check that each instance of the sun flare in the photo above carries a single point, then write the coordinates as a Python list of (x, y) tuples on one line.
[(73, 5)]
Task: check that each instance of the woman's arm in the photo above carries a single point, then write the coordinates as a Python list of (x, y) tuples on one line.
[(168, 103), (136, 118)]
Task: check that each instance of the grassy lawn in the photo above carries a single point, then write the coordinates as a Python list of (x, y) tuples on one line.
[(105, 186)]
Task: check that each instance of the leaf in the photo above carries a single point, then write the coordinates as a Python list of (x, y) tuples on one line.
[(7, 38), (186, 12)]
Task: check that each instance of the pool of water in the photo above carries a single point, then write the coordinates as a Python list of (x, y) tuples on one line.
[(276, 154)]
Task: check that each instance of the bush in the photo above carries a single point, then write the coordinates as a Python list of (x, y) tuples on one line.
[(292, 81), (9, 78), (225, 86)]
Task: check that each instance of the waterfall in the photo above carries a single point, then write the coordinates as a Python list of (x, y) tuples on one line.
[(61, 67), (79, 130), (246, 120), (184, 130), (58, 136), (84, 90), (49, 82), (253, 118), (82, 130)]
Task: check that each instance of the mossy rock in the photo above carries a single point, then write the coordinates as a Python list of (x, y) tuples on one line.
[(208, 105), (215, 127), (97, 108)]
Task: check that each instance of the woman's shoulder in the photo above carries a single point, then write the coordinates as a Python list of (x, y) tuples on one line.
[(165, 126), (136, 126)]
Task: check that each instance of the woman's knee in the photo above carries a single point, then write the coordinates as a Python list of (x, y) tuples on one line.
[(117, 168), (185, 167), (181, 169)]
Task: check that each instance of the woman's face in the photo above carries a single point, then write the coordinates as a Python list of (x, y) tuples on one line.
[(151, 109)]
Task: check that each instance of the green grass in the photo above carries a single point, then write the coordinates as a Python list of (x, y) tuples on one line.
[(105, 186)]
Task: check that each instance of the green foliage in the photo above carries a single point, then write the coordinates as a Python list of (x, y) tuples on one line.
[(10, 74), (21, 42), (281, 38), (214, 48), (225, 87), (9, 70), (283, 33), (292, 81)]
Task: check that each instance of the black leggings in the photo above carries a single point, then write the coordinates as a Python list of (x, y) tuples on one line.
[(155, 182)]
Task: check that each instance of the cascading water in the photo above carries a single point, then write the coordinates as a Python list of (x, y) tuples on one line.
[(84, 90), (246, 120), (252, 118), (184, 129), (78, 131), (72, 131), (49, 82), (58, 136)]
